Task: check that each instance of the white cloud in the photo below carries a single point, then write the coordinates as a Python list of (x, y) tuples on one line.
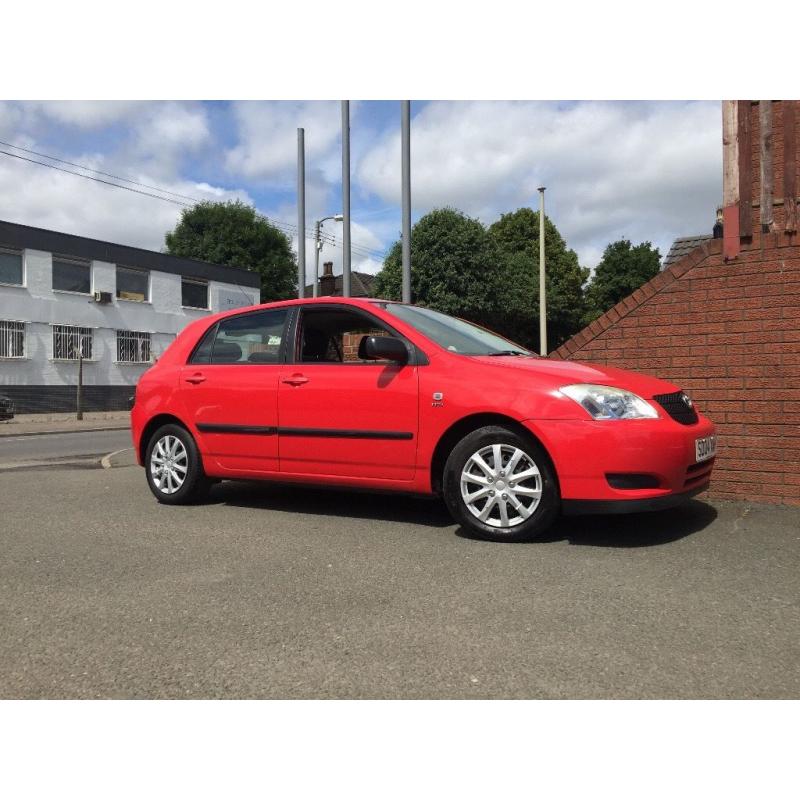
[(34, 195), (267, 146), (88, 114), (644, 170)]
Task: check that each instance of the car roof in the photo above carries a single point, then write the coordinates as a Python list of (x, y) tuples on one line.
[(359, 302)]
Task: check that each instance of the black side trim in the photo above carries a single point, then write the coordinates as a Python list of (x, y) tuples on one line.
[(328, 433), (575, 507), (333, 433), (252, 430)]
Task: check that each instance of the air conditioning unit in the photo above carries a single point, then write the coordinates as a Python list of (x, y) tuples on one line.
[(102, 297)]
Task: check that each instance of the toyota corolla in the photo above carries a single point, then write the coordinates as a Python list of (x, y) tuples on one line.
[(389, 396)]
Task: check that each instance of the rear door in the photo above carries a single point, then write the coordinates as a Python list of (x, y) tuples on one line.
[(342, 415), (230, 390)]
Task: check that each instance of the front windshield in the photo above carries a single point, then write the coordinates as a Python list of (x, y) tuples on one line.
[(453, 334)]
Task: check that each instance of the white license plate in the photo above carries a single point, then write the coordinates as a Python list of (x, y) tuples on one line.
[(705, 448)]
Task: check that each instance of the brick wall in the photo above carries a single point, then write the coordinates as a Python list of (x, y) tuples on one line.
[(729, 334)]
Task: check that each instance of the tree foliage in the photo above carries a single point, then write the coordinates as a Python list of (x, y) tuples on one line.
[(623, 269), (516, 236), (234, 234), (454, 266)]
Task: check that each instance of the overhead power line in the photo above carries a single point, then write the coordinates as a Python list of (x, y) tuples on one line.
[(327, 238)]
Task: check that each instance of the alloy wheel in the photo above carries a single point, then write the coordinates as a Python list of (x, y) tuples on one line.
[(501, 485), (169, 464)]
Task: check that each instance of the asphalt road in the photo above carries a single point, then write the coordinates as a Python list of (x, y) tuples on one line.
[(59, 446), (295, 593)]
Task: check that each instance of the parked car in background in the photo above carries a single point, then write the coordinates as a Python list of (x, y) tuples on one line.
[(6, 408), (383, 395)]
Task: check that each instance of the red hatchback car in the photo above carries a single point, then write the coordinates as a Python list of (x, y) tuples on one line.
[(389, 396)]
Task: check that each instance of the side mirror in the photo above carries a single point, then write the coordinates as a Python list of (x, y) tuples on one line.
[(383, 347)]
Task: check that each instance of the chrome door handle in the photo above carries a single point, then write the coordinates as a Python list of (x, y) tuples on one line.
[(196, 378), (295, 380)]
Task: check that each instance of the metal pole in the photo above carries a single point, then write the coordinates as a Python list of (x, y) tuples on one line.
[(542, 289), (301, 212), (317, 248), (79, 398), (346, 197), (405, 158)]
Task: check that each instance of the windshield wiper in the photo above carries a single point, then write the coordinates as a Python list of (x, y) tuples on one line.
[(508, 353)]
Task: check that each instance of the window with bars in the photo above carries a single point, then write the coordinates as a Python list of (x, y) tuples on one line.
[(133, 347), (70, 340), (12, 339)]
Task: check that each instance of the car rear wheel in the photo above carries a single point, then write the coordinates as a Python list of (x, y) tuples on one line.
[(501, 486), (173, 466)]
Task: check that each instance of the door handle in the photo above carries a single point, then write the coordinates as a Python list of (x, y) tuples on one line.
[(196, 378), (295, 380)]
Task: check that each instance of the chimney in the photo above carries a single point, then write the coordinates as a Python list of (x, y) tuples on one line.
[(327, 283), (761, 154)]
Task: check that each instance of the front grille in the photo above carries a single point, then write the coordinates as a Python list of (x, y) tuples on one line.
[(674, 405)]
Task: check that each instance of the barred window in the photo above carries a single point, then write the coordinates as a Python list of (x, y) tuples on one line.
[(70, 340), (12, 339), (133, 347)]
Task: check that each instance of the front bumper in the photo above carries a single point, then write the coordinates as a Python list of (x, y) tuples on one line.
[(586, 452)]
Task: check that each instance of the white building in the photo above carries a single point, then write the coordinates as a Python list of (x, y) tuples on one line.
[(122, 305)]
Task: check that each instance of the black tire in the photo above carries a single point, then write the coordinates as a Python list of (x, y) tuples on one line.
[(543, 514), (195, 486)]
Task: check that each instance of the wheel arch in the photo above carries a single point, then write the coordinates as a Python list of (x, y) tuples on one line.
[(152, 426), (466, 425)]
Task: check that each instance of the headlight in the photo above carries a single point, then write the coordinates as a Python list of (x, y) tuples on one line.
[(607, 402)]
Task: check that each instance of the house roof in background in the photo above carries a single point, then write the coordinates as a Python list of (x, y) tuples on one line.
[(361, 285), (683, 246)]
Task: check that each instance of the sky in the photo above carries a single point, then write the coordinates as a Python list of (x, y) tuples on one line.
[(647, 171)]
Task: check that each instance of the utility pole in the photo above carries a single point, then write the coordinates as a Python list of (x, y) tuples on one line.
[(542, 288), (317, 248), (405, 128), (346, 197), (301, 212)]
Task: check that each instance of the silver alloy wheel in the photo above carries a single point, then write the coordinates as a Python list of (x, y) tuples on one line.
[(169, 463), (501, 485)]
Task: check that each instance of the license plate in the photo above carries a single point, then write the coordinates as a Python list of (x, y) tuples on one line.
[(705, 448)]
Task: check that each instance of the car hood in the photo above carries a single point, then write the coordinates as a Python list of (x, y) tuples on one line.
[(563, 373)]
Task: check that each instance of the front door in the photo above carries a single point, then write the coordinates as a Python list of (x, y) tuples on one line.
[(230, 390), (340, 414)]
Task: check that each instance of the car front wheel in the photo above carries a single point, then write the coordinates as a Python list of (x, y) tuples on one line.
[(174, 469), (501, 486)]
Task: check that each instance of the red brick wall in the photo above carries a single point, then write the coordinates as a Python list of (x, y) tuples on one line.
[(729, 334)]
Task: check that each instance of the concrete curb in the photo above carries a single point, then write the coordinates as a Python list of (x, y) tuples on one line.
[(51, 432)]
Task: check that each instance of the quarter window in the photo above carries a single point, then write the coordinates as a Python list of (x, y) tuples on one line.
[(11, 267), (133, 284), (12, 339), (69, 341), (72, 276), (133, 347), (194, 294)]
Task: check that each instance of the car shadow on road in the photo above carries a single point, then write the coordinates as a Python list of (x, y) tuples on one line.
[(617, 530), (634, 530), (332, 501)]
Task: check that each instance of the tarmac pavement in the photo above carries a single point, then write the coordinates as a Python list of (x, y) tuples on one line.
[(276, 592)]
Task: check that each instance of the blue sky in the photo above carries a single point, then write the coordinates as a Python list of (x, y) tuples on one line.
[(645, 170)]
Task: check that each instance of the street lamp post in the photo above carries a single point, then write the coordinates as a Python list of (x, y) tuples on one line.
[(318, 247), (542, 287)]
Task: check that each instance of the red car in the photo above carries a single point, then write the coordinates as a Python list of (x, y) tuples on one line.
[(389, 396)]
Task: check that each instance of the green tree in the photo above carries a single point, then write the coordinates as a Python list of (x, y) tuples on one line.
[(516, 236), (453, 269), (235, 234), (623, 270)]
